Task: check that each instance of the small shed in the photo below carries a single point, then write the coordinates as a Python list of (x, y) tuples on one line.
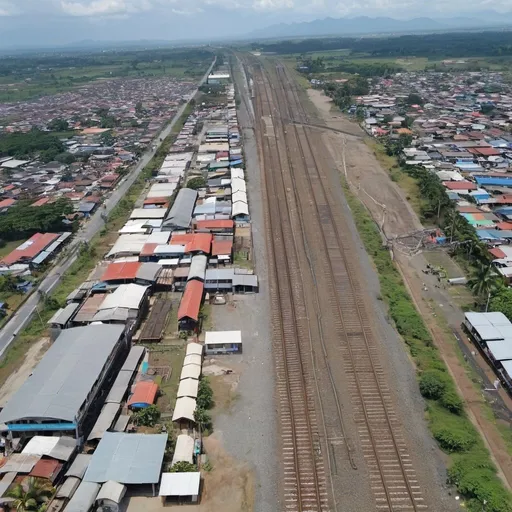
[(111, 494), (143, 395), (223, 342), (180, 486), (184, 450)]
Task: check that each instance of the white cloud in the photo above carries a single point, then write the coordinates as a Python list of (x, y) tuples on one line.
[(105, 7)]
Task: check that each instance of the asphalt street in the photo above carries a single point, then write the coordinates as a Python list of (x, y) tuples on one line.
[(21, 318)]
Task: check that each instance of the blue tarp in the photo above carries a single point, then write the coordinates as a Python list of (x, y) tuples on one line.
[(34, 427), (498, 182)]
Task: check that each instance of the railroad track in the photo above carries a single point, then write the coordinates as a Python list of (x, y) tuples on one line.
[(303, 483), (392, 477)]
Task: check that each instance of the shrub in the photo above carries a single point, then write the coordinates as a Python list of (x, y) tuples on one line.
[(147, 417), (204, 394), (432, 384), (183, 467), (203, 418), (453, 440), (452, 401)]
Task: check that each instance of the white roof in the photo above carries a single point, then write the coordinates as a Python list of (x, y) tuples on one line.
[(184, 450), (180, 484), (238, 184), (158, 237), (191, 371), (131, 244), (216, 337), (184, 409), (40, 445), (148, 213), (239, 196), (12, 164), (112, 491), (501, 350), (188, 387), (169, 249), (236, 172), (194, 348), (239, 208), (507, 365), (192, 359), (125, 296)]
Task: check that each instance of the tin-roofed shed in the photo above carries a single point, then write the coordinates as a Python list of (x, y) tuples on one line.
[(180, 215)]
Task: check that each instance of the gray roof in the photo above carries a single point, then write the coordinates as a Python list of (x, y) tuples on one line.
[(149, 271), (84, 497), (133, 359), (68, 488), (65, 376), (180, 215), (120, 387), (104, 421), (245, 280), (127, 458), (6, 482), (121, 423), (219, 274), (63, 315), (79, 465), (198, 267)]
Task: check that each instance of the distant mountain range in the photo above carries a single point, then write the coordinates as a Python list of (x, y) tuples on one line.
[(367, 25)]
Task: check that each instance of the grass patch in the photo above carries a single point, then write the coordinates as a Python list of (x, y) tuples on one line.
[(471, 468), (171, 356), (407, 183)]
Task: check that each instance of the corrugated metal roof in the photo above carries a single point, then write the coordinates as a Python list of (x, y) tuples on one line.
[(104, 421), (68, 488), (191, 371), (245, 280), (46, 468), (134, 356), (111, 491), (128, 458), (60, 448), (194, 348), (6, 482), (180, 214), (121, 271), (127, 296), (79, 465), (144, 394), (20, 463), (121, 423), (62, 316), (84, 497), (120, 387), (89, 308), (65, 376), (198, 267), (191, 301)]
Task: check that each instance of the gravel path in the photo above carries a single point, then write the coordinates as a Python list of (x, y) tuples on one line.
[(249, 429)]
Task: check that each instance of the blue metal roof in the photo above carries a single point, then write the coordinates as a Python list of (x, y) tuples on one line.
[(501, 182), (34, 427)]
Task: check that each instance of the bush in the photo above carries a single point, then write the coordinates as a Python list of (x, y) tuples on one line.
[(432, 384), (147, 417), (452, 440), (195, 183), (204, 394), (203, 418), (183, 467), (452, 401)]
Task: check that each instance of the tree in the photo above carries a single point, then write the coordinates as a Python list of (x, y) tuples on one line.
[(414, 99), (483, 281), (487, 108), (31, 495), (502, 302), (197, 182), (65, 158), (183, 467), (202, 418), (107, 139), (147, 417), (58, 125), (204, 394)]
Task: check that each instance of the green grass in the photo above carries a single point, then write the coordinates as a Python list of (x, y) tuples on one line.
[(9, 247), (470, 467)]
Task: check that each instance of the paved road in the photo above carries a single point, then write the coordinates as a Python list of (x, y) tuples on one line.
[(21, 318)]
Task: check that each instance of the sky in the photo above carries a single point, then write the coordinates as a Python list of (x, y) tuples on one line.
[(33, 23)]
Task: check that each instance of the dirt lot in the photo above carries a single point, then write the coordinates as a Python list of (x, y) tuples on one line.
[(228, 487), (375, 189)]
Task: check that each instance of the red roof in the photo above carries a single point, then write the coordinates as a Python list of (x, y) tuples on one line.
[(214, 224), (459, 185), (488, 151), (191, 300), (504, 225), (41, 201), (193, 242), (222, 247), (31, 248), (46, 468), (497, 253), (144, 393), (110, 177), (468, 209), (7, 202), (156, 200), (124, 270), (148, 249)]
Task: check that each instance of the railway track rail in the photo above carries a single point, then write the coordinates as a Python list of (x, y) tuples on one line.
[(392, 477)]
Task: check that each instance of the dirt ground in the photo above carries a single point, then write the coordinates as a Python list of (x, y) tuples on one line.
[(390, 209), (228, 487), (16, 379)]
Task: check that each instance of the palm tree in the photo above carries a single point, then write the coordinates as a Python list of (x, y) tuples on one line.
[(31, 495), (484, 281)]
